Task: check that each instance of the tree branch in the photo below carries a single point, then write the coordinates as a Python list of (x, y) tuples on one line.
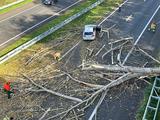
[(52, 92), (115, 68), (45, 113)]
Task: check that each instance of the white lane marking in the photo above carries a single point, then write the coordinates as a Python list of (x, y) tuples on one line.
[(140, 35), (39, 23), (19, 13), (112, 13), (128, 18)]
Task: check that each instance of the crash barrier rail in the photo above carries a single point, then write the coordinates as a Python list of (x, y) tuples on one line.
[(14, 3), (153, 102), (53, 29)]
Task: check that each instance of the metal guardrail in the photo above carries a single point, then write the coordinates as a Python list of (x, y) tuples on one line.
[(152, 108), (9, 5), (50, 31)]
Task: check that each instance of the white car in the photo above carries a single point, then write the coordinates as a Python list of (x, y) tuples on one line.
[(89, 32)]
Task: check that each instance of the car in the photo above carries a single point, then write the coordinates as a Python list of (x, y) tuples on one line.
[(89, 32), (48, 2)]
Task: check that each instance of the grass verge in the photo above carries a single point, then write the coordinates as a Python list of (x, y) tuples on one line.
[(143, 104), (6, 2), (14, 6)]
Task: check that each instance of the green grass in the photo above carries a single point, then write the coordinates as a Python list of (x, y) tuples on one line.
[(14, 6), (90, 17), (143, 104), (5, 2)]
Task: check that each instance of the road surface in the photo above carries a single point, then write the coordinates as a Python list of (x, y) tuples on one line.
[(17, 24), (122, 103)]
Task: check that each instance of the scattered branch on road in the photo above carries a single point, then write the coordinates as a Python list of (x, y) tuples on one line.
[(84, 83), (52, 92), (147, 54), (114, 48), (115, 68), (46, 112), (100, 50)]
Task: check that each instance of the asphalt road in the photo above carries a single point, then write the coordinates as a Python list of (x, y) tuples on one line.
[(122, 104), (132, 20), (18, 24)]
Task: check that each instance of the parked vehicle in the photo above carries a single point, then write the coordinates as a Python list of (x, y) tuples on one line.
[(49, 2), (89, 32)]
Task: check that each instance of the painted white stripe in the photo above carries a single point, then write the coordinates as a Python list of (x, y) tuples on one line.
[(111, 13), (39, 23), (147, 25), (20, 13), (6, 6), (140, 35)]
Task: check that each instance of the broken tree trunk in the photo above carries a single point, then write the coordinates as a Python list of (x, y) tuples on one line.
[(115, 68)]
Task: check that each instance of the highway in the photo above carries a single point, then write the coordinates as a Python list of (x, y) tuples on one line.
[(122, 102), (133, 21), (15, 25)]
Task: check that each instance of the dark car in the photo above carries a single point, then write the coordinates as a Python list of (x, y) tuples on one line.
[(49, 2)]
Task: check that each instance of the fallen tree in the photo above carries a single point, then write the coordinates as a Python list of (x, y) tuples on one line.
[(116, 68), (78, 79)]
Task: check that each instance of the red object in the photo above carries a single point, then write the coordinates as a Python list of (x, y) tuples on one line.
[(7, 86)]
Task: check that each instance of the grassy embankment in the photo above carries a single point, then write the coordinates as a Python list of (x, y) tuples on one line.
[(14, 64), (143, 104), (5, 2)]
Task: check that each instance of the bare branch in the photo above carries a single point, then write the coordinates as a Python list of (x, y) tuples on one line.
[(52, 92), (112, 54), (115, 68), (97, 106), (46, 112), (149, 55), (100, 50), (117, 47), (85, 83), (120, 40)]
